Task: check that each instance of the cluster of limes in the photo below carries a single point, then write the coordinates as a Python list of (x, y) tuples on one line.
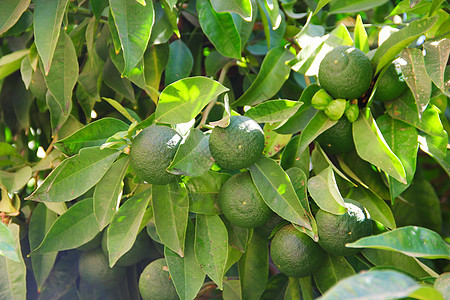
[(345, 75)]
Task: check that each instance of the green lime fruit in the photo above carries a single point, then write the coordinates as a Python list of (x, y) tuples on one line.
[(335, 109), (352, 113), (391, 85), (295, 253), (239, 145), (137, 252), (335, 231), (338, 138), (321, 99), (241, 202), (345, 72), (93, 268), (155, 282), (152, 151)]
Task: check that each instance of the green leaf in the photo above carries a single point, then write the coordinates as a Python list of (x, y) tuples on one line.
[(171, 210), (402, 139), (180, 62), (377, 207), (411, 240), (75, 175), (436, 57), (193, 157), (376, 284), (273, 111), (274, 142), (238, 237), (245, 27), (134, 24), (277, 191), (62, 277), (155, 60), (442, 284), (348, 6), (290, 158), (289, 7), (108, 191), (371, 146), (7, 245), (254, 268), (74, 228), (120, 109), (11, 12), (404, 108), (182, 100), (112, 78), (231, 290), (273, 10), (48, 16), (163, 27), (91, 135), (125, 225), (422, 206), (400, 40), (240, 7), (220, 29), (333, 270), (427, 292), (318, 124), (211, 246), (396, 260), (203, 192), (299, 182), (304, 114), (14, 181), (324, 190), (320, 5), (272, 75), (13, 274), (40, 223), (361, 40), (11, 62), (363, 173), (65, 67), (186, 273), (415, 74), (214, 62)]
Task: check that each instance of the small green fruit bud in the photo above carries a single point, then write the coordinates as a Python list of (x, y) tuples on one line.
[(335, 109), (352, 113), (321, 99)]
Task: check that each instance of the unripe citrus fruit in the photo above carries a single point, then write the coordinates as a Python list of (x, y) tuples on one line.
[(93, 268), (152, 151), (345, 72), (352, 113), (335, 231), (241, 202), (335, 109), (155, 282), (391, 85), (295, 253), (239, 145), (321, 99), (338, 138)]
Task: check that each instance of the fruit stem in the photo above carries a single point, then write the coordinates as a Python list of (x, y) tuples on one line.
[(222, 76)]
